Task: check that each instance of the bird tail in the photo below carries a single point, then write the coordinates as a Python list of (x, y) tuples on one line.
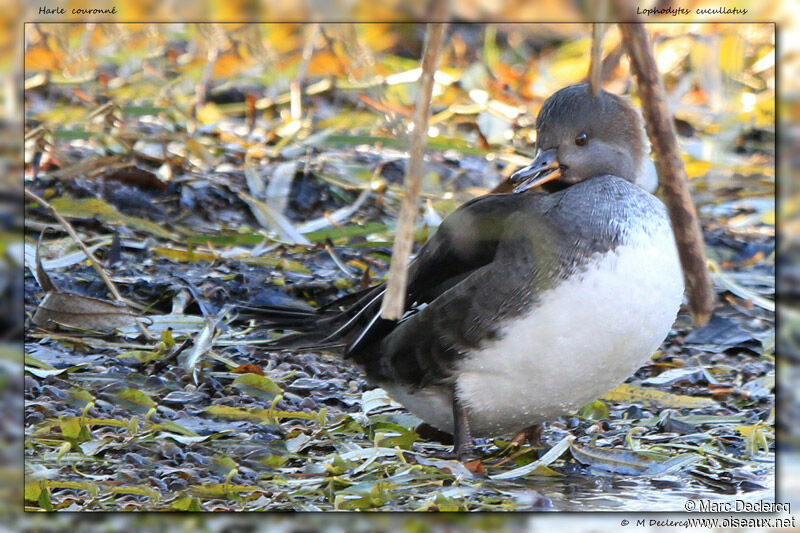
[(281, 317), (327, 327)]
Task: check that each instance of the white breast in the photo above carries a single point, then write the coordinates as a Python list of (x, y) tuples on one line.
[(583, 338)]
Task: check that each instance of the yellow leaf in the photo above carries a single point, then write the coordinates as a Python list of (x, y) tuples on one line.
[(183, 256), (40, 57), (570, 70), (63, 449), (731, 54), (325, 64), (654, 399), (33, 490), (755, 437), (228, 64), (745, 431), (696, 168), (283, 37), (95, 207), (70, 427), (543, 470), (378, 37), (208, 113)]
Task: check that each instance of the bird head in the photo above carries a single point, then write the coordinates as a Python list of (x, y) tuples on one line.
[(579, 136)]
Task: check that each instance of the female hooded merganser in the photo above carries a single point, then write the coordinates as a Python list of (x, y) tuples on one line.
[(523, 307)]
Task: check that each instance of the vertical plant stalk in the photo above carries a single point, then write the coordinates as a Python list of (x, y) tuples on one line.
[(296, 87), (393, 303), (202, 87), (671, 172), (596, 65)]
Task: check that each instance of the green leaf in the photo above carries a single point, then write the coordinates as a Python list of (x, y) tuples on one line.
[(212, 490), (135, 400), (143, 356), (70, 427), (172, 427), (349, 231), (280, 263), (222, 464), (44, 500), (78, 397), (62, 134), (62, 450), (105, 212), (597, 410), (167, 339), (41, 373), (369, 495), (228, 240), (142, 110), (491, 52), (31, 361), (33, 490), (389, 435), (183, 503), (258, 386), (264, 416), (448, 505), (437, 143), (755, 438)]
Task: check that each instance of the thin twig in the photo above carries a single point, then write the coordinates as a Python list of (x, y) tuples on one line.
[(595, 67), (671, 172), (295, 89), (92, 259), (160, 365), (211, 61), (86, 166), (394, 301), (72, 233), (338, 262)]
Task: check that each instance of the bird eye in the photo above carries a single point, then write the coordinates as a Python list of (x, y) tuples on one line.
[(581, 139)]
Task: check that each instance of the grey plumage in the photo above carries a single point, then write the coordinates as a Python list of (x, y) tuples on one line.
[(492, 259)]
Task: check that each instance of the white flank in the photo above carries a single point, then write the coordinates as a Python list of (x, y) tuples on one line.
[(583, 338)]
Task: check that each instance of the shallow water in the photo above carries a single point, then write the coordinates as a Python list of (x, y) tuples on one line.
[(599, 492)]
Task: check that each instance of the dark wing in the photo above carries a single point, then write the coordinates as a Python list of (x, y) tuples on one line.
[(459, 253), (466, 241), (424, 348)]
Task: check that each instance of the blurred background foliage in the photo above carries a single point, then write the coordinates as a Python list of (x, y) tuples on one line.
[(514, 83), (491, 84)]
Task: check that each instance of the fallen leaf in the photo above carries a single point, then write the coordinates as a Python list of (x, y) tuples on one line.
[(629, 462), (82, 312), (655, 399), (475, 466), (248, 369), (257, 385)]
